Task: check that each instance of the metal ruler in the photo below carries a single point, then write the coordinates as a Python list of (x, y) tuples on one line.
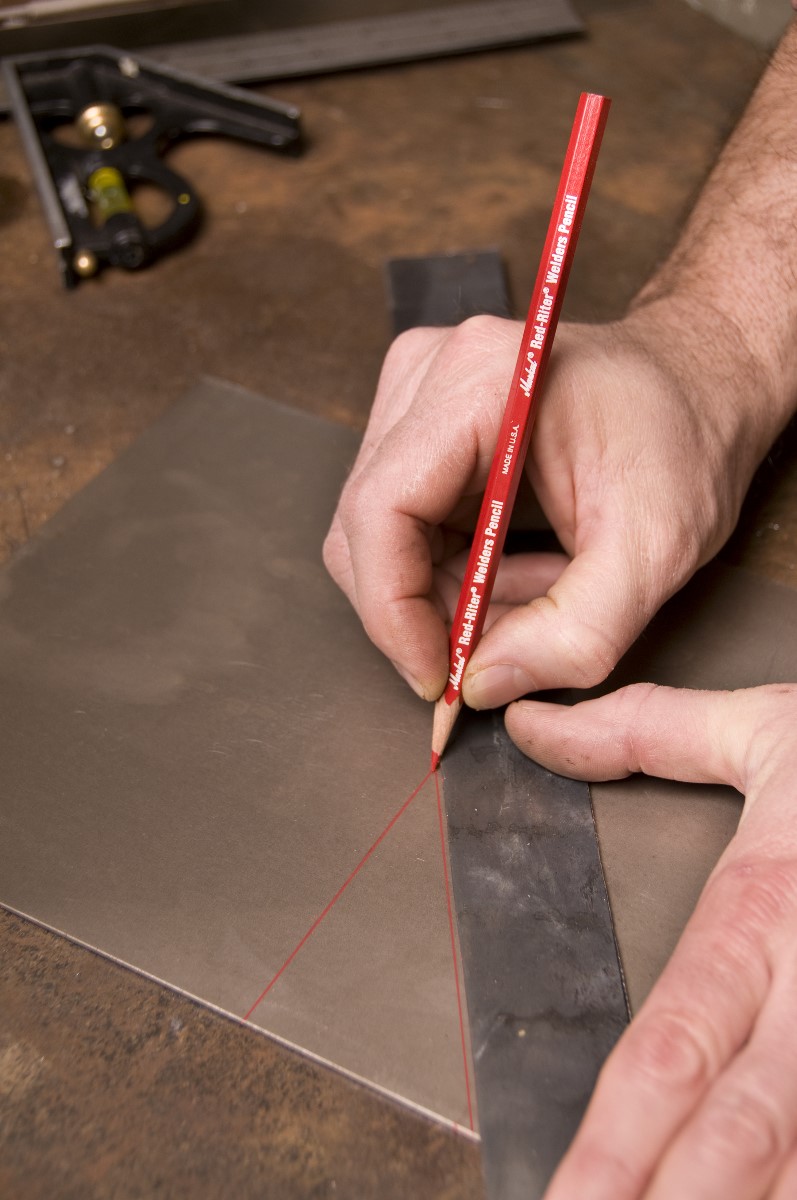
[(370, 41), (395, 38)]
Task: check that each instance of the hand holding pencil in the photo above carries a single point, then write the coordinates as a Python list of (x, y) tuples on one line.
[(636, 483)]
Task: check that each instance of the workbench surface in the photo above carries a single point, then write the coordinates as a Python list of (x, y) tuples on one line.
[(111, 1086)]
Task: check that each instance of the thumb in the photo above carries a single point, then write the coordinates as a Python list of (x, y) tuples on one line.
[(572, 637), (675, 733)]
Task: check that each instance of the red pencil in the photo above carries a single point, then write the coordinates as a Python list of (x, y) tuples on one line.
[(513, 439)]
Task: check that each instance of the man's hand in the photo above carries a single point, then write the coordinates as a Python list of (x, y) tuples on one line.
[(641, 454), (699, 1099), (647, 436)]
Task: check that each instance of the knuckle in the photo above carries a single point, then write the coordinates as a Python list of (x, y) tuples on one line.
[(355, 502), (754, 894), (375, 625), (596, 1161), (410, 344), (787, 691), (385, 624), (772, 712), (632, 698), (633, 735), (667, 1050), (482, 326), (675, 545), (407, 354), (680, 538), (333, 553), (593, 672), (475, 339), (587, 654), (739, 1125)]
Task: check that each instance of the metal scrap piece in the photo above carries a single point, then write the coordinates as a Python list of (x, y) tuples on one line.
[(444, 289), (368, 41), (545, 993)]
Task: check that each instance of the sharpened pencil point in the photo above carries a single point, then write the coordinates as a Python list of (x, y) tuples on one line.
[(435, 760), (445, 716)]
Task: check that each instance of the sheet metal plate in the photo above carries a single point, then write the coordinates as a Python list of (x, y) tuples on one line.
[(199, 744)]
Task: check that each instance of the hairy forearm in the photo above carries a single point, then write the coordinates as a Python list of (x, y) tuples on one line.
[(731, 280)]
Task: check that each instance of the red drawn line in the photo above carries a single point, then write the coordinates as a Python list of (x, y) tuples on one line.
[(338, 895), (453, 948)]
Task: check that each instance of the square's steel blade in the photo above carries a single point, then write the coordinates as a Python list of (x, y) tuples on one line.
[(545, 994)]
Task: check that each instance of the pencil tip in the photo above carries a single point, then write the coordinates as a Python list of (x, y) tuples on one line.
[(435, 760), (445, 715)]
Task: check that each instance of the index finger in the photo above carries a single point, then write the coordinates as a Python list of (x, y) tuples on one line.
[(438, 452)]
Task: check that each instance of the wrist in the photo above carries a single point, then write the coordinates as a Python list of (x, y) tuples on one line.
[(730, 279), (743, 392)]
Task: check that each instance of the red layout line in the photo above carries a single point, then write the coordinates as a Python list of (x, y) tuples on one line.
[(449, 907), (447, 882), (338, 894)]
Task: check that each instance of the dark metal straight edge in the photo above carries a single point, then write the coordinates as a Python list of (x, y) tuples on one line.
[(397, 37), (444, 289), (544, 987)]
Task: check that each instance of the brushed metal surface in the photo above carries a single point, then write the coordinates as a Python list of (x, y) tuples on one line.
[(200, 743), (660, 839)]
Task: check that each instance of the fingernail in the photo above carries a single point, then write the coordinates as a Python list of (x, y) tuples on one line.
[(417, 687), (496, 685)]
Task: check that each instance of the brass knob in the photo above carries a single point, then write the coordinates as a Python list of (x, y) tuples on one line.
[(101, 124)]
